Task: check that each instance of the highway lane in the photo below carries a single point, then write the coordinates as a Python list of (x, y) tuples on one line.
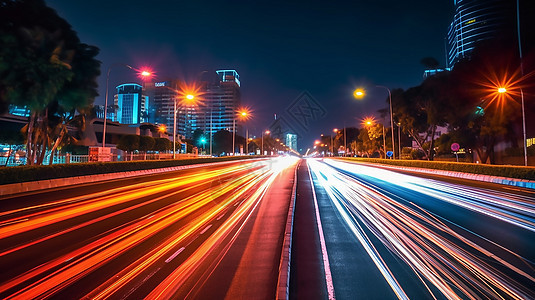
[(143, 237), (394, 235)]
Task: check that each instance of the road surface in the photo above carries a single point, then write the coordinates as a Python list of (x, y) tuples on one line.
[(394, 235), (198, 233)]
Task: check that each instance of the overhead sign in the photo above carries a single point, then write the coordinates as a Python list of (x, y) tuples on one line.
[(455, 147)]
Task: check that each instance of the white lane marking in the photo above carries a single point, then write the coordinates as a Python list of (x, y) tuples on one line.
[(221, 216), (326, 266), (206, 228), (174, 255)]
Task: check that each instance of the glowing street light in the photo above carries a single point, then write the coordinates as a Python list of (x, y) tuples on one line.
[(264, 132), (359, 93), (503, 90), (143, 74), (189, 97), (242, 114), (335, 130)]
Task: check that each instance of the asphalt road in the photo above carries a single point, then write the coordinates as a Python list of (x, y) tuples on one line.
[(396, 235), (197, 233)]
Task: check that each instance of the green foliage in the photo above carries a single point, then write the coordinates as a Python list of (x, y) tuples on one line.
[(44, 67), (223, 142), (129, 142), (34, 173), (162, 144), (519, 172), (146, 143)]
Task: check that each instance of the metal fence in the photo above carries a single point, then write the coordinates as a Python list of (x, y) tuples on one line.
[(69, 158)]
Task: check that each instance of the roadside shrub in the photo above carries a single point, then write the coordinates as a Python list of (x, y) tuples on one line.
[(519, 172), (34, 173)]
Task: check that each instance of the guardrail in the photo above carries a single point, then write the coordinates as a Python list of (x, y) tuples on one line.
[(70, 158)]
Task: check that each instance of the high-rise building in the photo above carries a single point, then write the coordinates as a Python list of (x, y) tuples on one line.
[(221, 100), (475, 21), (291, 141), (212, 109), (131, 104), (162, 95)]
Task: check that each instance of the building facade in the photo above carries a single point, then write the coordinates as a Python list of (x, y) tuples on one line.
[(131, 104), (475, 21), (221, 100), (291, 141), (212, 109), (162, 95)]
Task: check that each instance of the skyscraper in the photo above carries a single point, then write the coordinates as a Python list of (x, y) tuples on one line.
[(221, 100), (212, 109), (131, 104), (475, 21), (162, 95)]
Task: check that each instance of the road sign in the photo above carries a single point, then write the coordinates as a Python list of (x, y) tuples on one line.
[(389, 153), (455, 147)]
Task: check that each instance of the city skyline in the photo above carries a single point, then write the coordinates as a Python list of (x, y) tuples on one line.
[(281, 49)]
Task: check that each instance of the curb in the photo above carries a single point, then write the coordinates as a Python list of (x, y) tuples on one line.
[(530, 184), (31, 186), (283, 282)]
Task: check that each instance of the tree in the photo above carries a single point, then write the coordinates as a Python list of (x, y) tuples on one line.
[(482, 116), (197, 136), (44, 67), (162, 145), (128, 142), (146, 143), (423, 108), (222, 142)]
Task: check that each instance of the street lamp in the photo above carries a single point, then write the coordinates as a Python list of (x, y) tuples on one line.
[(189, 97), (369, 121), (203, 142), (359, 93), (503, 90), (243, 114), (332, 145), (266, 132), (143, 74)]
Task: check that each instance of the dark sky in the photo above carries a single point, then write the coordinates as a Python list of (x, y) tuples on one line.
[(280, 49)]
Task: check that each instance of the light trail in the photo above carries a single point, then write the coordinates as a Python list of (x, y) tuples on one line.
[(445, 256), (237, 183)]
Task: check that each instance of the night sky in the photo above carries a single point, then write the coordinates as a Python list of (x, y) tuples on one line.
[(280, 49)]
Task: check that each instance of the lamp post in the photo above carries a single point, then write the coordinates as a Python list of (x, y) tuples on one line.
[(203, 142), (141, 73), (266, 132), (359, 93), (243, 113), (399, 140), (188, 97), (332, 145), (233, 135), (503, 90), (525, 141), (391, 120), (345, 139)]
